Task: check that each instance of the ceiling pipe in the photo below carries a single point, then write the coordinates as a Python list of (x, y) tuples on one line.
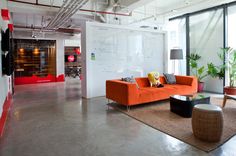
[(32, 28), (67, 14), (63, 10), (39, 29), (65, 19), (109, 6), (84, 10), (70, 13), (105, 12), (60, 12), (102, 18)]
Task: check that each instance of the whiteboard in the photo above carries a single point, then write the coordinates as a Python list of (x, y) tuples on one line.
[(121, 52)]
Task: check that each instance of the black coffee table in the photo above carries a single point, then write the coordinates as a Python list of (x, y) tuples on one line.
[(183, 104)]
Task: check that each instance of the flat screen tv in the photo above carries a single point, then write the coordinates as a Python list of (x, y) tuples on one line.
[(70, 58), (5, 40)]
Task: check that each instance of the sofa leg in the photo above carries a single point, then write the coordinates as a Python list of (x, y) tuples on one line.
[(108, 101), (128, 108)]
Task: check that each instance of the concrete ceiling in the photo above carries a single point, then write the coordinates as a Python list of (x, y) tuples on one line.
[(172, 8), (157, 12), (144, 12), (37, 13)]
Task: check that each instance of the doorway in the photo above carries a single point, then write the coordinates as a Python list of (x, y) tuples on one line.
[(73, 63)]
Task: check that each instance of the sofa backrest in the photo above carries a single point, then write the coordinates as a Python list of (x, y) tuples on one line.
[(162, 80), (142, 82), (185, 80)]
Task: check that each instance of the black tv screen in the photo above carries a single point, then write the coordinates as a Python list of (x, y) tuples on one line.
[(70, 58), (5, 40)]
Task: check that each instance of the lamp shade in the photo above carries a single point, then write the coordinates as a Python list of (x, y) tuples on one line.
[(176, 54)]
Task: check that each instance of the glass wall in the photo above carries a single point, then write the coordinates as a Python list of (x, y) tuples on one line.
[(231, 33), (232, 26), (206, 36), (177, 39), (206, 39), (34, 58)]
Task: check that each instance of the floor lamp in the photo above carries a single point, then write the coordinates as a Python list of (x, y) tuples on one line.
[(176, 54)]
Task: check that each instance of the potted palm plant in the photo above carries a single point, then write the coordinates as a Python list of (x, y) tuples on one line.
[(229, 55), (199, 72)]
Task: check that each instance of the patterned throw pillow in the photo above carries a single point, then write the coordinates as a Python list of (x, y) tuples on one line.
[(131, 80), (153, 78), (170, 78)]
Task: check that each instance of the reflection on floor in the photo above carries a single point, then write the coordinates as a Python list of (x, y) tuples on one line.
[(52, 119)]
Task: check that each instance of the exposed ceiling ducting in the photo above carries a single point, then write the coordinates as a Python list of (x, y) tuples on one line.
[(67, 10)]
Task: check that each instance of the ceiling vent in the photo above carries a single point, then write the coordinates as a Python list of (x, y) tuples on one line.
[(144, 26)]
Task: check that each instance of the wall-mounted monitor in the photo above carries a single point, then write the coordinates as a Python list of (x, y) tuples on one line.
[(70, 58), (5, 40)]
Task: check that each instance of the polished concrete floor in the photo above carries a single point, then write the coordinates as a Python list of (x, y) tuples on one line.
[(53, 120)]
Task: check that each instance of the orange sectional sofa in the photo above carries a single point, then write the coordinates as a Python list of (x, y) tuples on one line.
[(129, 94)]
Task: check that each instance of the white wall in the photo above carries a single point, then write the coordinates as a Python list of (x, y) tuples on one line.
[(3, 79), (60, 43), (73, 43), (84, 56), (120, 51), (60, 61)]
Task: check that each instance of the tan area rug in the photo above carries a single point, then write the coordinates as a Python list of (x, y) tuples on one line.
[(158, 116)]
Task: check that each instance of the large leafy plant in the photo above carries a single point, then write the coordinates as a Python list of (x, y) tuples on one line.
[(227, 55), (199, 72)]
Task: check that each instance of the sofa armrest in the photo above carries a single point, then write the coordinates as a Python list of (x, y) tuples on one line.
[(187, 80), (122, 92)]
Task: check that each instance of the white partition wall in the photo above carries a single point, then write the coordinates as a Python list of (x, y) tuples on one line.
[(113, 52)]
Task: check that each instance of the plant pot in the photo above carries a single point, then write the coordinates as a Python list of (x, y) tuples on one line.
[(200, 86), (230, 90)]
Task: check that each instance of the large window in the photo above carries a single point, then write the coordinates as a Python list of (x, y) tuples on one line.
[(208, 31), (231, 32), (206, 39), (232, 27)]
